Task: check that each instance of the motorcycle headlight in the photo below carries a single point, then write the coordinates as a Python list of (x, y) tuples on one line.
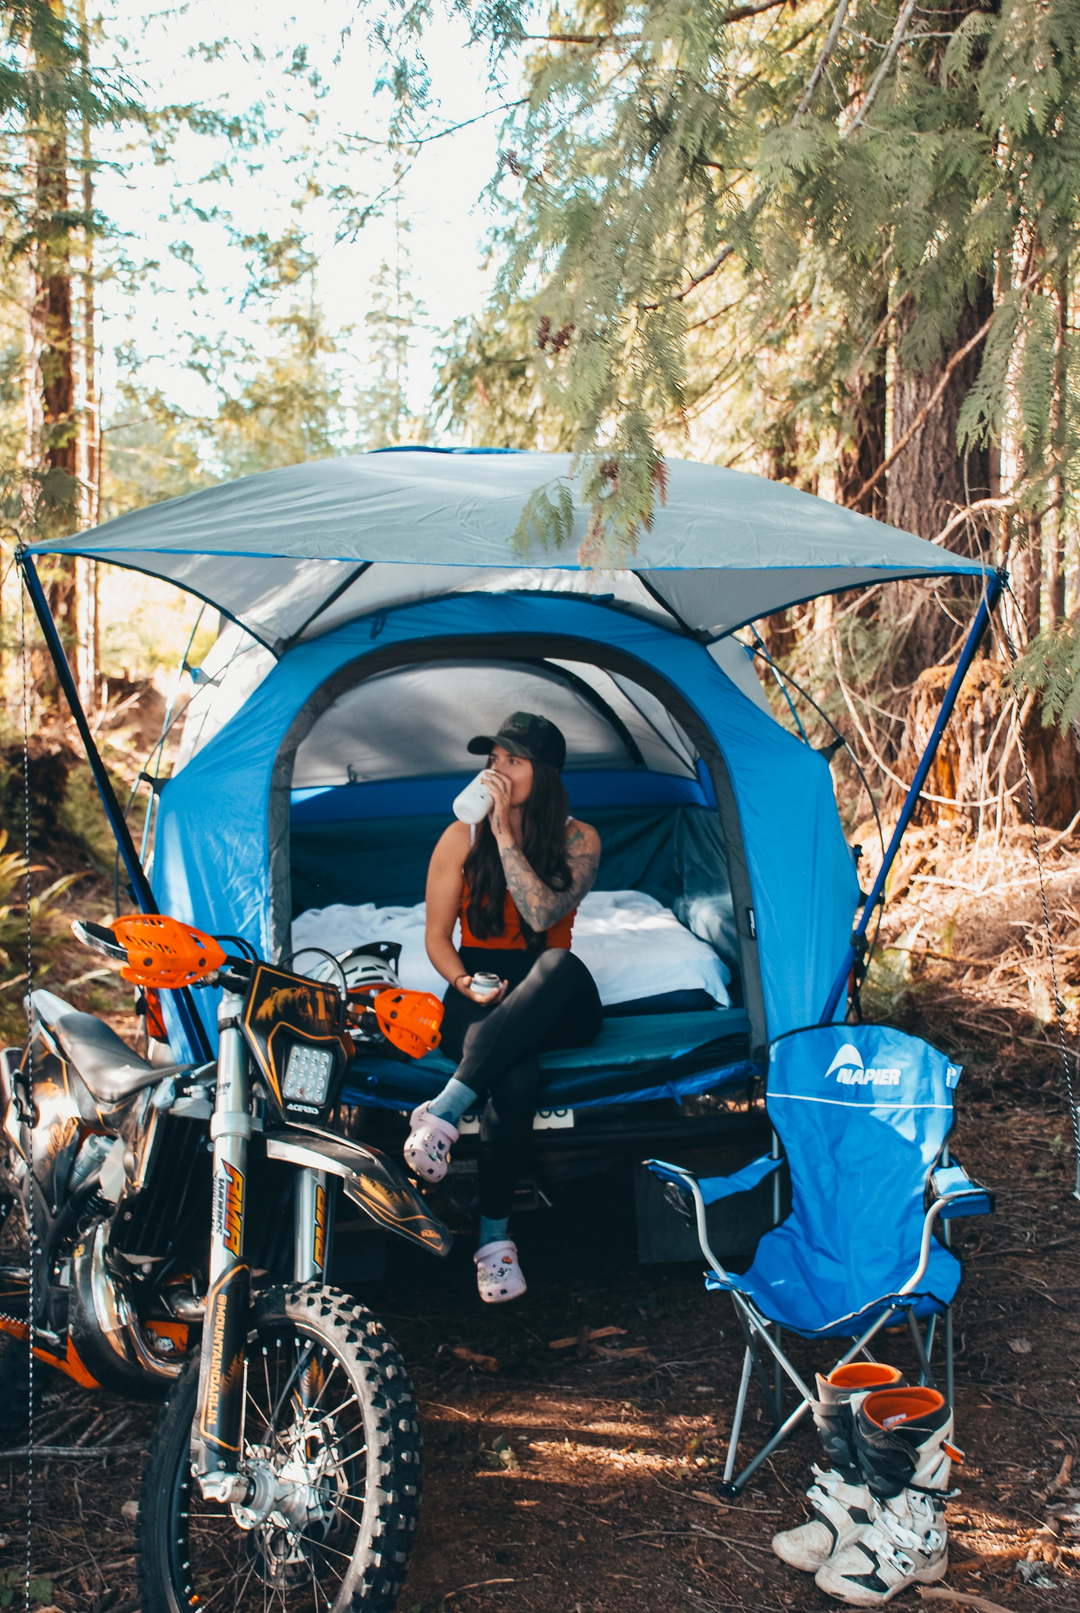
[(307, 1075)]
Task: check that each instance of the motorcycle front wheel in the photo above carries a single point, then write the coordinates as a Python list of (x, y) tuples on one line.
[(329, 1411)]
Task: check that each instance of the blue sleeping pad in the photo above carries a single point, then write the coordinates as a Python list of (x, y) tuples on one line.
[(634, 1058)]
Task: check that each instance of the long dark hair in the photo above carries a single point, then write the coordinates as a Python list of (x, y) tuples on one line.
[(543, 841)]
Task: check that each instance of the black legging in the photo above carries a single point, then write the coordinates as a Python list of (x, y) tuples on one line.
[(552, 1002)]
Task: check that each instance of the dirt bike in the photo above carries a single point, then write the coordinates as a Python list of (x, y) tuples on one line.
[(181, 1223)]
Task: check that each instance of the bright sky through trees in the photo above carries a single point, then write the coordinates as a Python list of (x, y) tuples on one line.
[(326, 131)]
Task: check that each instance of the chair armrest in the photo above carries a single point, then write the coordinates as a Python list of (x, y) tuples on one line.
[(937, 1208), (965, 1197), (688, 1182), (741, 1181), (671, 1173)]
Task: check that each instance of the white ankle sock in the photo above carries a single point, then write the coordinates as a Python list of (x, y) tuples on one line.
[(492, 1231), (452, 1102)]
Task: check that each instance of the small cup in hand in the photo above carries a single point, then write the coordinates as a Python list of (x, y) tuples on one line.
[(484, 984)]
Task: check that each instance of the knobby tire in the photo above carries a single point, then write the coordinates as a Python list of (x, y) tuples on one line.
[(364, 1453)]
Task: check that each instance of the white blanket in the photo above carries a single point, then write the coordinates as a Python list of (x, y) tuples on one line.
[(631, 944)]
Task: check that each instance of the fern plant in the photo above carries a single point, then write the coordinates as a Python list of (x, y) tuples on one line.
[(13, 913)]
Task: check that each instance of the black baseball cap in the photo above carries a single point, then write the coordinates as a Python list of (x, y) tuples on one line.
[(523, 733)]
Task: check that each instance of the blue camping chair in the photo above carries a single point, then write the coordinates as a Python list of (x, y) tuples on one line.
[(861, 1114)]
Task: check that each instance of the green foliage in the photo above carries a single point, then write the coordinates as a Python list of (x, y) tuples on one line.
[(719, 244), (44, 74), (545, 520), (152, 449), (13, 873), (499, 1455), (1051, 667), (278, 406), (14, 1583)]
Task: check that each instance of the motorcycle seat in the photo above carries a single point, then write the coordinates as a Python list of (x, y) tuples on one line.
[(109, 1069)]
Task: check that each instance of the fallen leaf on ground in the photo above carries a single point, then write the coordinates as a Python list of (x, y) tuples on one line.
[(585, 1337), (1020, 1346), (488, 1362), (621, 1355)]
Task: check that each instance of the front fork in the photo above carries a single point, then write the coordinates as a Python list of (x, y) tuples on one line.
[(311, 1245), (216, 1431)]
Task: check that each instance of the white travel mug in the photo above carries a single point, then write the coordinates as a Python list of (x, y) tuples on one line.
[(485, 984), (471, 806)]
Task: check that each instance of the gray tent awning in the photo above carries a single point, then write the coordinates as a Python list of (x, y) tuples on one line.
[(292, 553)]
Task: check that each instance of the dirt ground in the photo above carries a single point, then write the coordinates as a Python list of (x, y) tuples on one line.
[(584, 1478)]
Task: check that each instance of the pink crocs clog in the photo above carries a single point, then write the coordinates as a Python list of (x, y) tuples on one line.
[(498, 1275), (427, 1151)]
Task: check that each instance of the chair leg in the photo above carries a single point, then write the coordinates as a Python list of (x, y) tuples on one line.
[(771, 1400), (949, 1356), (778, 1381), (925, 1374), (733, 1486), (740, 1407), (931, 1335)]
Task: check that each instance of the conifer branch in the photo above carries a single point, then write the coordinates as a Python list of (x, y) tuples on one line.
[(822, 63), (800, 112), (879, 77), (725, 252), (924, 413), (736, 14)]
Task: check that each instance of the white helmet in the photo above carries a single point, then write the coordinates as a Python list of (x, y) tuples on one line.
[(373, 963)]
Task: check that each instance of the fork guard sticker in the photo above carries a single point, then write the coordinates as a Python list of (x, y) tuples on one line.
[(221, 1374), (318, 1252), (228, 1220)]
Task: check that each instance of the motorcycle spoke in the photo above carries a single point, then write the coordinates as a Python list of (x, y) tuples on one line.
[(335, 1411), (326, 1385), (267, 1423), (291, 1380)]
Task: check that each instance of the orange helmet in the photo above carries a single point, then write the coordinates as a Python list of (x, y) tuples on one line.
[(165, 953), (410, 1020)]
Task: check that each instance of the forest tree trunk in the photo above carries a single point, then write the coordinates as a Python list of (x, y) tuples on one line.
[(1055, 548), (1026, 570), (52, 418), (862, 448), (89, 433), (926, 483), (927, 486)]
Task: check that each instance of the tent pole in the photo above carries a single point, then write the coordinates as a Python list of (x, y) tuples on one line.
[(140, 885), (995, 583)]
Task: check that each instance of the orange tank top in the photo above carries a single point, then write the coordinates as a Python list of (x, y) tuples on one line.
[(512, 939)]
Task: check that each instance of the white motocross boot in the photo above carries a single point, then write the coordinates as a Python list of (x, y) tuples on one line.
[(840, 1500), (902, 1440)]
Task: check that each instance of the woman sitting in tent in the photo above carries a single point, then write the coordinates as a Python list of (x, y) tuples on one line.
[(514, 882)]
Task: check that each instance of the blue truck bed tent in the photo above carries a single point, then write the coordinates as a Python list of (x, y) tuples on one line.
[(793, 900), (356, 587)]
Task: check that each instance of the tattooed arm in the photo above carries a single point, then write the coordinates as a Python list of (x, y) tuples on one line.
[(537, 903)]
